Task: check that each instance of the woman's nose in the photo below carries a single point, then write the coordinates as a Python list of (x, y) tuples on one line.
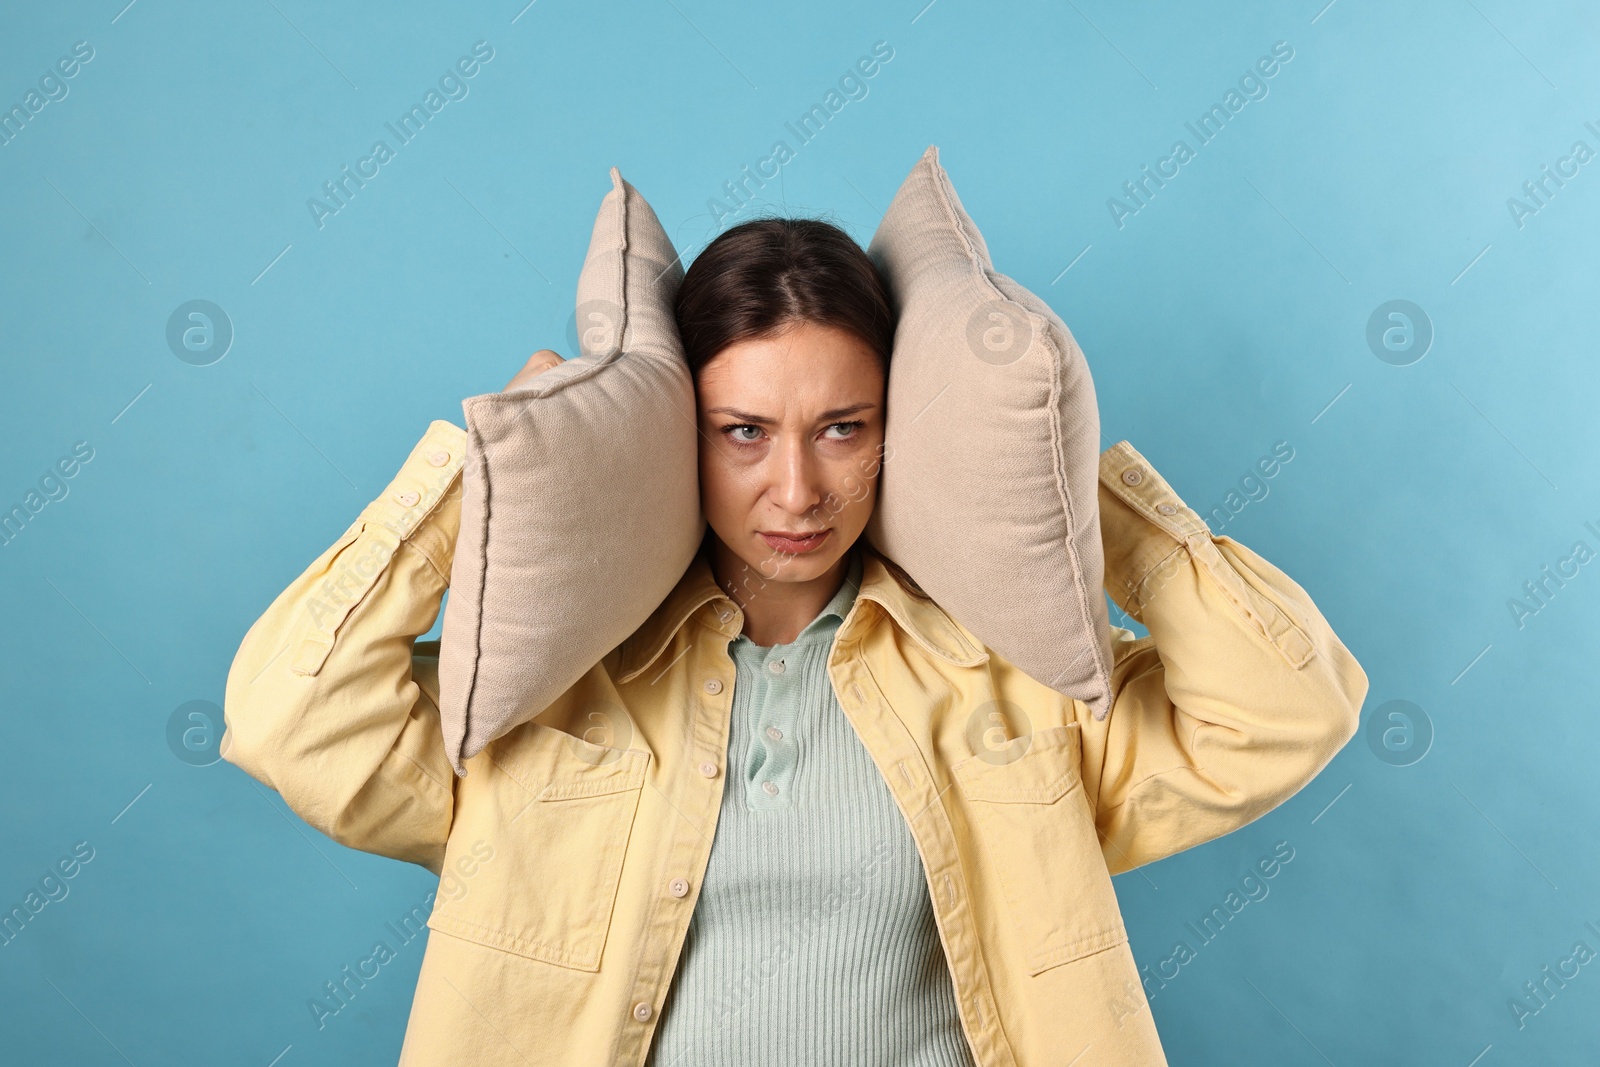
[(797, 488)]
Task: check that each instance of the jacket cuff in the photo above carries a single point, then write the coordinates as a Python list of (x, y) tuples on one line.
[(421, 507), (426, 478), (1143, 522)]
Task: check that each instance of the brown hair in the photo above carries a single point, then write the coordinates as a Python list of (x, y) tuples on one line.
[(762, 276)]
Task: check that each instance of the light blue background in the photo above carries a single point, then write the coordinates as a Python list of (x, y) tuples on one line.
[(1228, 314)]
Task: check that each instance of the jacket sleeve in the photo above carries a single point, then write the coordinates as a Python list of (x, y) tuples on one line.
[(330, 701), (1238, 697)]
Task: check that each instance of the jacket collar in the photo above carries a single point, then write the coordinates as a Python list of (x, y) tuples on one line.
[(926, 622)]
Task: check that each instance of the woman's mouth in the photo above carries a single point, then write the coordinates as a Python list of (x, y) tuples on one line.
[(795, 543)]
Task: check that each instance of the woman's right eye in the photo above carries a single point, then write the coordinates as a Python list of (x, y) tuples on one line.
[(733, 432)]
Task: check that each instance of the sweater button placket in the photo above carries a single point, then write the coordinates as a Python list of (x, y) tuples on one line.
[(777, 668), (763, 811)]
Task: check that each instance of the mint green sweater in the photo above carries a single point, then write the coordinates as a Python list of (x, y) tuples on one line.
[(813, 942)]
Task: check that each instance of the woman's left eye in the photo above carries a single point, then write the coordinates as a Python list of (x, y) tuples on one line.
[(735, 432)]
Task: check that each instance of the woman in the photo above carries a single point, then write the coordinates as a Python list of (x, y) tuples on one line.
[(801, 816)]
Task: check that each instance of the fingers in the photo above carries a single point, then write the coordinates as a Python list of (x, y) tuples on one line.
[(541, 361)]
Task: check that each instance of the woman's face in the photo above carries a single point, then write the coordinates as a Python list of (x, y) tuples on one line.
[(791, 439)]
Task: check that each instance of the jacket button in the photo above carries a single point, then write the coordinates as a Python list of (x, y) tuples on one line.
[(439, 457), (678, 887), (771, 788), (708, 769), (775, 733), (776, 666), (406, 499), (1165, 509), (641, 1011), (1132, 476), (713, 686)]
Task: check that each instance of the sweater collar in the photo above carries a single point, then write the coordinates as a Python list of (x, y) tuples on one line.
[(697, 595)]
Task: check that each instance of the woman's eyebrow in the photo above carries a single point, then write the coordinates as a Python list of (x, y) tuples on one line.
[(762, 420)]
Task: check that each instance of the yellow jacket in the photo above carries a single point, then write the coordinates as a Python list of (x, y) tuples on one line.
[(570, 855)]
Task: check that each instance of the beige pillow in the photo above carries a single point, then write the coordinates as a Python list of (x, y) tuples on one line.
[(989, 486), (563, 491)]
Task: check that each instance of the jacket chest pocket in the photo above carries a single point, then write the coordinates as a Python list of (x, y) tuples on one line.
[(557, 813), (1031, 818)]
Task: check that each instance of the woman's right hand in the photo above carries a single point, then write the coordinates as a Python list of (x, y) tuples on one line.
[(537, 364)]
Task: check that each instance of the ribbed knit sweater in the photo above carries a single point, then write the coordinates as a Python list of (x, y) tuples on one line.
[(813, 941)]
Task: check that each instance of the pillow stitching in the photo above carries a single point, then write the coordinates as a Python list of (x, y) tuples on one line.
[(619, 277), (472, 684), (945, 188), (1102, 667), (622, 260), (483, 575)]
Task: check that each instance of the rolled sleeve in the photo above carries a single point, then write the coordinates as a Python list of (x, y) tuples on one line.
[(330, 701), (1238, 697)]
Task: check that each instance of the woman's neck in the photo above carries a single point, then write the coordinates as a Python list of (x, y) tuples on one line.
[(775, 611)]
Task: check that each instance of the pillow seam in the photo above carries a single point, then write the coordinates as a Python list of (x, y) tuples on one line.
[(1103, 669), (483, 576)]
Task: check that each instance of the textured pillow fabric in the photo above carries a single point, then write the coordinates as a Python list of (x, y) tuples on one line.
[(587, 473), (989, 485)]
